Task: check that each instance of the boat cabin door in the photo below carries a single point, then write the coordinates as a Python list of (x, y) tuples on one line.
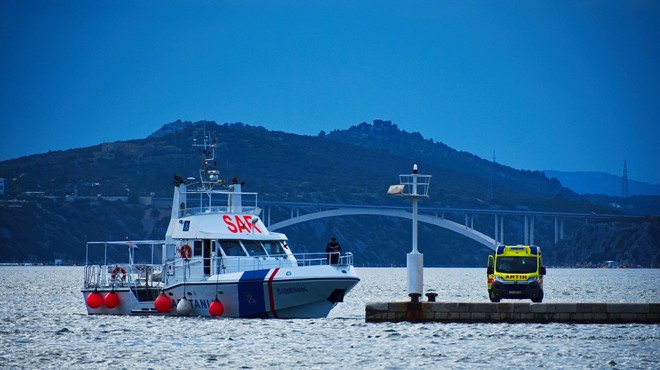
[(207, 256)]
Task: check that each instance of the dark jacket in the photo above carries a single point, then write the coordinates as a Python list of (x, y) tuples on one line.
[(333, 246)]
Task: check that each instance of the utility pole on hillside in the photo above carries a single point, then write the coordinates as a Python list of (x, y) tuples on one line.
[(491, 176), (624, 181)]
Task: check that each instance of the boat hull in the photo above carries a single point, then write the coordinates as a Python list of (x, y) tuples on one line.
[(301, 292)]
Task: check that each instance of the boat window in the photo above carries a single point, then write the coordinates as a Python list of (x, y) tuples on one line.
[(273, 247), (198, 248), (232, 248), (254, 248)]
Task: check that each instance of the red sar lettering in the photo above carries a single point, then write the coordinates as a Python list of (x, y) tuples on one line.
[(237, 225)]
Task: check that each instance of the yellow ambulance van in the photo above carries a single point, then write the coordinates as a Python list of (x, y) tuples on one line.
[(515, 271)]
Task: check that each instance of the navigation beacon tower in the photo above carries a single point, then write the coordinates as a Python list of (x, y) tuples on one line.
[(413, 186)]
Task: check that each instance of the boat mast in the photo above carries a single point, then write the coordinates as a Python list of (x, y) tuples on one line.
[(208, 172)]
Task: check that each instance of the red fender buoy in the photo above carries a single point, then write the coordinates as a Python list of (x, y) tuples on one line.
[(94, 299), (216, 308), (111, 300), (163, 303)]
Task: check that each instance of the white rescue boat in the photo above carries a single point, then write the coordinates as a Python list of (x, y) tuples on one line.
[(218, 259)]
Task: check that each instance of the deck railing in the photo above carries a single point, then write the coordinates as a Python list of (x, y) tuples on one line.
[(122, 275), (317, 259), (219, 201), (108, 266), (122, 263)]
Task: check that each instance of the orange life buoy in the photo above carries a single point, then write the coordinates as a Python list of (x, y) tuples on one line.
[(186, 252), (118, 272)]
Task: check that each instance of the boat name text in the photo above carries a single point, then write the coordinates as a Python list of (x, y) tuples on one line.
[(195, 303), (294, 290), (238, 224)]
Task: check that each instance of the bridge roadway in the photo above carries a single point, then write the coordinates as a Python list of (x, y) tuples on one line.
[(434, 216)]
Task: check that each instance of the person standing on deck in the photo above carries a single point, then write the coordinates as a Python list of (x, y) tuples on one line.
[(333, 248)]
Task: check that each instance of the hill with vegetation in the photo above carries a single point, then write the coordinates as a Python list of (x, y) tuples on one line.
[(61, 199)]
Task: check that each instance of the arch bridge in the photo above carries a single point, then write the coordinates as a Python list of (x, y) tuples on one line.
[(304, 212)]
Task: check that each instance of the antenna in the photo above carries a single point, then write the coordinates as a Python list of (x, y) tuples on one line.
[(624, 181), (208, 172)]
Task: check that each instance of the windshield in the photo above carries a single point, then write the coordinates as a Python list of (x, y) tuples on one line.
[(254, 248), (516, 265), (232, 248), (273, 247)]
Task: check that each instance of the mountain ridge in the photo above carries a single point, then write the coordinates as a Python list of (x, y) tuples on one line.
[(352, 166)]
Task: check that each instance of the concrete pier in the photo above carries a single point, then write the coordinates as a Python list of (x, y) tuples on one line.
[(514, 312)]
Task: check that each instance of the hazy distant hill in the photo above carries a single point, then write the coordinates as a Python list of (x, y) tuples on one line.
[(602, 183), (352, 166)]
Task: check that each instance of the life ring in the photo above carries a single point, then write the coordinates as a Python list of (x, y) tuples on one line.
[(118, 272), (186, 252)]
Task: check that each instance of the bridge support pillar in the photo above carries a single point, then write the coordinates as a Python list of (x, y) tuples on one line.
[(469, 221), (496, 229), (502, 229), (499, 229), (529, 230), (559, 229)]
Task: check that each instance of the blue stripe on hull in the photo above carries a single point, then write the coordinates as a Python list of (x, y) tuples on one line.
[(251, 300)]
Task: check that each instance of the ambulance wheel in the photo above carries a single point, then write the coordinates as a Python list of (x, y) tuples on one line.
[(538, 298), (493, 297)]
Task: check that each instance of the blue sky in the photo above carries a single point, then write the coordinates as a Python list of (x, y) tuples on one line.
[(561, 85)]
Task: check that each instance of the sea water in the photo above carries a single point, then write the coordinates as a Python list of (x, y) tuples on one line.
[(44, 324)]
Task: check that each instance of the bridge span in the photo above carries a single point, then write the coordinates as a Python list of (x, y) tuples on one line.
[(304, 212), (433, 220)]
